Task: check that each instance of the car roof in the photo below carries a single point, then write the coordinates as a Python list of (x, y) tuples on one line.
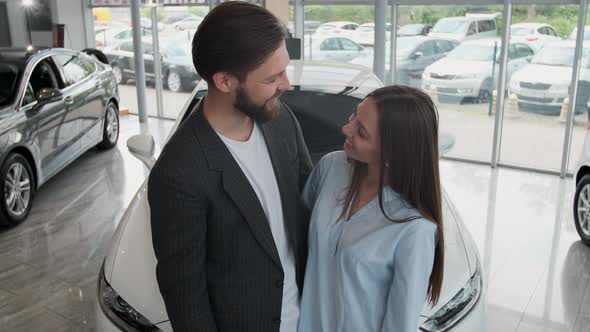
[(483, 41), (338, 23), (532, 25)]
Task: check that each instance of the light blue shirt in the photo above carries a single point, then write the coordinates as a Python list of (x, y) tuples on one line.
[(368, 273)]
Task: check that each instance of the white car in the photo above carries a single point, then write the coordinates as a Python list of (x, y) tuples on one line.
[(542, 85), (582, 196), (188, 23), (365, 34), (536, 35), (341, 28), (340, 49), (575, 32), (465, 27), (322, 98), (466, 72)]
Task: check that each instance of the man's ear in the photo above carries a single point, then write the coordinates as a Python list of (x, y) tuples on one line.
[(225, 82)]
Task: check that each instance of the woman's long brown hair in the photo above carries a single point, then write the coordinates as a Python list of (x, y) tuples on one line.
[(408, 127)]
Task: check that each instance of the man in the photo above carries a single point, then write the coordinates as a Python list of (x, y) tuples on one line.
[(228, 225)]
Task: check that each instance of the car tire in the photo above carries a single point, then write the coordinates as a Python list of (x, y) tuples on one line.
[(110, 131), (174, 81), (18, 186), (485, 91), (582, 209), (118, 74)]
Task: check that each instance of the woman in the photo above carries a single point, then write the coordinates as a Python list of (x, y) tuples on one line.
[(376, 233)]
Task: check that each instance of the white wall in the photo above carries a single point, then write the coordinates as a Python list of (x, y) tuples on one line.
[(16, 17)]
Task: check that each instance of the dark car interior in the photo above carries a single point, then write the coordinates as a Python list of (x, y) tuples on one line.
[(43, 76), (8, 79)]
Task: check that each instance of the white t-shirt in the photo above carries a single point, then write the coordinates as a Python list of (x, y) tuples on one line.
[(253, 158)]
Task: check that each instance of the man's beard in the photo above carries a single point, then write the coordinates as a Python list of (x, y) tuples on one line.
[(258, 113)]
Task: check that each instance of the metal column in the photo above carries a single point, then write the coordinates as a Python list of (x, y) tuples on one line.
[(379, 40), (138, 61), (574, 87), (501, 83), (393, 44), (299, 24), (157, 60)]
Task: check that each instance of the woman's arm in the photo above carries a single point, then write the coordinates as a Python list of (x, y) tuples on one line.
[(412, 266)]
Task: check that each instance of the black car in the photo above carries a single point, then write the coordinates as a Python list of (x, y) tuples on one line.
[(178, 72), (55, 104)]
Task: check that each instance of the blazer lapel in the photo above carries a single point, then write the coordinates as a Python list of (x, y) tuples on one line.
[(235, 182)]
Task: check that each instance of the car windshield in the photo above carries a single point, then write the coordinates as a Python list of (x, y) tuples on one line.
[(177, 49), (448, 26), (560, 56), (474, 52), (520, 31), (9, 74), (406, 45), (410, 29), (326, 27)]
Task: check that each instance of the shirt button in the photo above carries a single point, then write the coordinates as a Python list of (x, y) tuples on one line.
[(279, 283)]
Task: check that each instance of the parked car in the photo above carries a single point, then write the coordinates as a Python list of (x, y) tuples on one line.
[(342, 29), (323, 96), (190, 22), (466, 72), (178, 71), (582, 184), (308, 27), (412, 56), (108, 37), (365, 34), (574, 33), (542, 85), (333, 49), (414, 29), (56, 104), (176, 16), (536, 35), (465, 27)]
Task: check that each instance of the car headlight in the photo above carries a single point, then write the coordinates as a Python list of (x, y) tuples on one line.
[(464, 76), (119, 311), (458, 307)]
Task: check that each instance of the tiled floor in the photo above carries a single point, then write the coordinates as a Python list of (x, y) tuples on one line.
[(538, 272)]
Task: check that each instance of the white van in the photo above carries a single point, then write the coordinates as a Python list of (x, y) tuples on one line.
[(470, 26)]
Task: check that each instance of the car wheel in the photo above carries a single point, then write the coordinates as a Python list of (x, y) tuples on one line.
[(485, 91), (174, 81), (18, 187), (118, 74), (582, 209), (110, 132)]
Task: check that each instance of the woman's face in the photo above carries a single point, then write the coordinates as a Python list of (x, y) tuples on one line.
[(362, 133)]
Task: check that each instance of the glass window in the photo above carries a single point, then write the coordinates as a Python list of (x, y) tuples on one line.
[(544, 31), (74, 69), (471, 29), (486, 26), (552, 32), (148, 49), (444, 46), (522, 51), (349, 45), (427, 49), (127, 46), (29, 95), (511, 52), (449, 26), (8, 82), (330, 44)]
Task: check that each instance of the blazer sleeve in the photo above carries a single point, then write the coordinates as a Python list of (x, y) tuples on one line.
[(305, 164), (179, 228)]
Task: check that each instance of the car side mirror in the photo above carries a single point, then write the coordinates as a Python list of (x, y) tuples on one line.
[(417, 55), (142, 147), (46, 95)]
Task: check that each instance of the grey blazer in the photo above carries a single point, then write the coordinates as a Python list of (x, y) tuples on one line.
[(218, 267)]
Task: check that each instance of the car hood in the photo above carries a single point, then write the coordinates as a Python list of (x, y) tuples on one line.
[(130, 264), (454, 67), (537, 73)]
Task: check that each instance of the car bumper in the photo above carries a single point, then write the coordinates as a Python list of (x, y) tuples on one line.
[(454, 87), (550, 97)]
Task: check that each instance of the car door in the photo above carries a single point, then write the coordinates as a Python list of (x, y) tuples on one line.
[(148, 60), (330, 49), (92, 114), (80, 84), (54, 121)]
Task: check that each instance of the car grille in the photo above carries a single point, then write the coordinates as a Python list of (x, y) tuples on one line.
[(539, 99), (442, 77), (446, 90), (535, 86)]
